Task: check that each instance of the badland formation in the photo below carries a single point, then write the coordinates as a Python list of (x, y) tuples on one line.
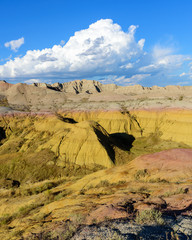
[(85, 160)]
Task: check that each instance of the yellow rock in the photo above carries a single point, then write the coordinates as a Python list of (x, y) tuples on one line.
[(173, 124), (87, 142), (84, 143)]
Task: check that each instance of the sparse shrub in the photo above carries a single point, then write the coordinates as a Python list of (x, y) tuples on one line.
[(71, 226), (103, 183), (25, 192), (158, 180), (107, 191), (77, 218), (17, 233), (121, 182), (44, 187), (109, 235), (181, 98), (149, 217), (40, 217), (143, 189), (177, 191), (106, 183), (94, 221), (61, 195), (25, 210), (49, 196), (69, 231), (141, 174), (89, 187), (115, 236), (82, 191), (5, 219)]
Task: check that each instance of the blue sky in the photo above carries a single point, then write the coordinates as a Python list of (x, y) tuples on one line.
[(123, 42)]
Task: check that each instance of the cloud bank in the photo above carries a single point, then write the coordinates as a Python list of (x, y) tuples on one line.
[(103, 49), (15, 44)]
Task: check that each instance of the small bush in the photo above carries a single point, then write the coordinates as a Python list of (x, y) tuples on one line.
[(143, 189), (5, 219), (177, 191), (149, 217), (140, 174), (61, 195), (25, 210), (103, 183), (181, 98), (17, 233), (158, 180), (72, 226)]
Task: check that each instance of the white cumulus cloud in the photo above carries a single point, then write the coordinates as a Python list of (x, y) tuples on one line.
[(15, 44), (101, 50), (134, 79), (162, 59), (62, 42), (30, 81)]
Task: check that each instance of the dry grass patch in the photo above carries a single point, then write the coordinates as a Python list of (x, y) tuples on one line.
[(149, 217), (175, 192)]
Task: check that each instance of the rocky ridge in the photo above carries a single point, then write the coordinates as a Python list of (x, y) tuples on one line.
[(89, 94)]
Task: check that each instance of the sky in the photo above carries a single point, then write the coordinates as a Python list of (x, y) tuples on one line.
[(125, 42)]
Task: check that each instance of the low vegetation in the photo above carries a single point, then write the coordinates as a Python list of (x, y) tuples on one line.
[(175, 192), (149, 217), (141, 174)]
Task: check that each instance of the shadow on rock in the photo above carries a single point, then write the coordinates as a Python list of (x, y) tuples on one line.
[(122, 140)]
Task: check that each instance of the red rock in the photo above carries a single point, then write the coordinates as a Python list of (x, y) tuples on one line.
[(106, 212)]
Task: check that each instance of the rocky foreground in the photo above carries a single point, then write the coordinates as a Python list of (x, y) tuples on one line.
[(82, 160)]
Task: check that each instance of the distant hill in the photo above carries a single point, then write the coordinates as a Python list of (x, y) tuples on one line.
[(90, 94)]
